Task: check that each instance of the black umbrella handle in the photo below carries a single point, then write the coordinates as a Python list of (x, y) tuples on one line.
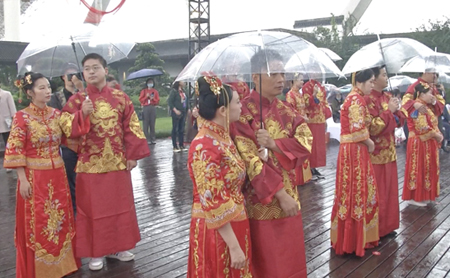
[(78, 64)]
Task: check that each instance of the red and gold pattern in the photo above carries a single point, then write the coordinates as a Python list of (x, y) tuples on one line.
[(218, 173), (354, 219), (295, 98), (45, 222), (294, 139), (241, 88), (317, 113), (115, 135), (422, 158), (382, 127), (408, 100)]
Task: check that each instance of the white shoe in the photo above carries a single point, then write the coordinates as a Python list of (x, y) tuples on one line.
[(415, 203), (96, 263), (123, 256), (8, 170)]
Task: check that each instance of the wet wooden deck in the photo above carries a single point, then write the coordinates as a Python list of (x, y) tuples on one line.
[(163, 192)]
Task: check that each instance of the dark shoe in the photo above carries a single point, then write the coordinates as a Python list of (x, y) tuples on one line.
[(152, 143), (315, 172), (446, 149), (182, 148)]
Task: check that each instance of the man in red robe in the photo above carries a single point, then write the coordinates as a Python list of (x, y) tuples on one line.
[(271, 193), (106, 218), (386, 116), (317, 111), (429, 77)]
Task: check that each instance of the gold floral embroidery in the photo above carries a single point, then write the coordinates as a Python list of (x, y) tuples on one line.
[(104, 119), (377, 126), (249, 152), (245, 272), (56, 217), (196, 257), (304, 136), (226, 260), (135, 127)]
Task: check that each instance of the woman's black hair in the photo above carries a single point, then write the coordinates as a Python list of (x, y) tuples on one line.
[(364, 75), (29, 80), (208, 102), (175, 85), (420, 89)]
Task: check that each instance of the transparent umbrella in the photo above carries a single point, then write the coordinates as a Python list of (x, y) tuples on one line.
[(52, 53), (400, 82), (393, 53), (330, 53), (231, 56), (435, 62)]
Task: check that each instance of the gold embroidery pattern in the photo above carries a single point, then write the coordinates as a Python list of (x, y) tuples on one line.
[(412, 177), (226, 260), (56, 217), (304, 136), (135, 127), (42, 255), (104, 119), (245, 272), (249, 151), (358, 210), (343, 209), (377, 126), (105, 162), (196, 257)]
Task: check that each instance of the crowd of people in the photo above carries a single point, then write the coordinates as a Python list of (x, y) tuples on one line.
[(74, 150)]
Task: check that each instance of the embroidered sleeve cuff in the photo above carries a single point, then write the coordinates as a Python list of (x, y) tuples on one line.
[(224, 213)]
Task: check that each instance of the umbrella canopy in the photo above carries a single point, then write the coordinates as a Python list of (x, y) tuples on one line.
[(331, 54), (400, 82), (444, 78), (393, 53), (435, 62), (144, 73), (52, 53), (231, 56)]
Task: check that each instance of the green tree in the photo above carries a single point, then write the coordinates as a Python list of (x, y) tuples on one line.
[(435, 34), (148, 58), (7, 78)]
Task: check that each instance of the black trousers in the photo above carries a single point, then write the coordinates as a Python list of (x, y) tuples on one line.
[(70, 162), (5, 136), (178, 130)]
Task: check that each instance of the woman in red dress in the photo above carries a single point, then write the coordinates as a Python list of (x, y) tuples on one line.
[(219, 243), (44, 216), (422, 155), (354, 219)]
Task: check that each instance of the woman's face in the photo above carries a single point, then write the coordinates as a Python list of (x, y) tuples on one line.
[(368, 86), (41, 92), (427, 97), (181, 85), (235, 107)]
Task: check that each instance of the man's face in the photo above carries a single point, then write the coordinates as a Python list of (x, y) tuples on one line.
[(382, 80), (430, 77), (94, 72), (271, 86)]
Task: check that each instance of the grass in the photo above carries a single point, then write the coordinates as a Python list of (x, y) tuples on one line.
[(163, 127)]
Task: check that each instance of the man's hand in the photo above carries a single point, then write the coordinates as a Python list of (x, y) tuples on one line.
[(131, 164), (421, 107), (176, 111), (393, 105), (87, 107), (263, 154), (264, 140), (287, 203)]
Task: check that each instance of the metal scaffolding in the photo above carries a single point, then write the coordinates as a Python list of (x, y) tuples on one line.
[(199, 31)]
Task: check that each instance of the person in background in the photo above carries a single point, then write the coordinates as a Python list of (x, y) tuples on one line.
[(112, 82), (336, 104), (354, 218), (45, 228), (446, 128), (318, 112), (386, 117), (106, 215), (149, 99), (69, 147), (421, 181), (7, 112), (177, 102)]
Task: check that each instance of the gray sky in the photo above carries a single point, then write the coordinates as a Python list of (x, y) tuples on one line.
[(151, 20)]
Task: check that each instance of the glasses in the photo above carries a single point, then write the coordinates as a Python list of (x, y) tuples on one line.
[(94, 68)]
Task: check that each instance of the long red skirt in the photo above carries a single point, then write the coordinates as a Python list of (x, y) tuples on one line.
[(278, 248), (318, 157), (209, 255), (354, 218), (388, 207), (106, 219), (422, 170), (45, 227)]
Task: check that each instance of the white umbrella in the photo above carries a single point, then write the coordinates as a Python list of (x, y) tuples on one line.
[(400, 82), (444, 78), (393, 53), (330, 53), (435, 62)]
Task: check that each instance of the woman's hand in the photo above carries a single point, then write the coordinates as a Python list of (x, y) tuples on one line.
[(287, 203), (237, 258), (25, 189)]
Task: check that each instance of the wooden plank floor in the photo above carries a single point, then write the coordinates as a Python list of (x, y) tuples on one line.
[(163, 190)]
